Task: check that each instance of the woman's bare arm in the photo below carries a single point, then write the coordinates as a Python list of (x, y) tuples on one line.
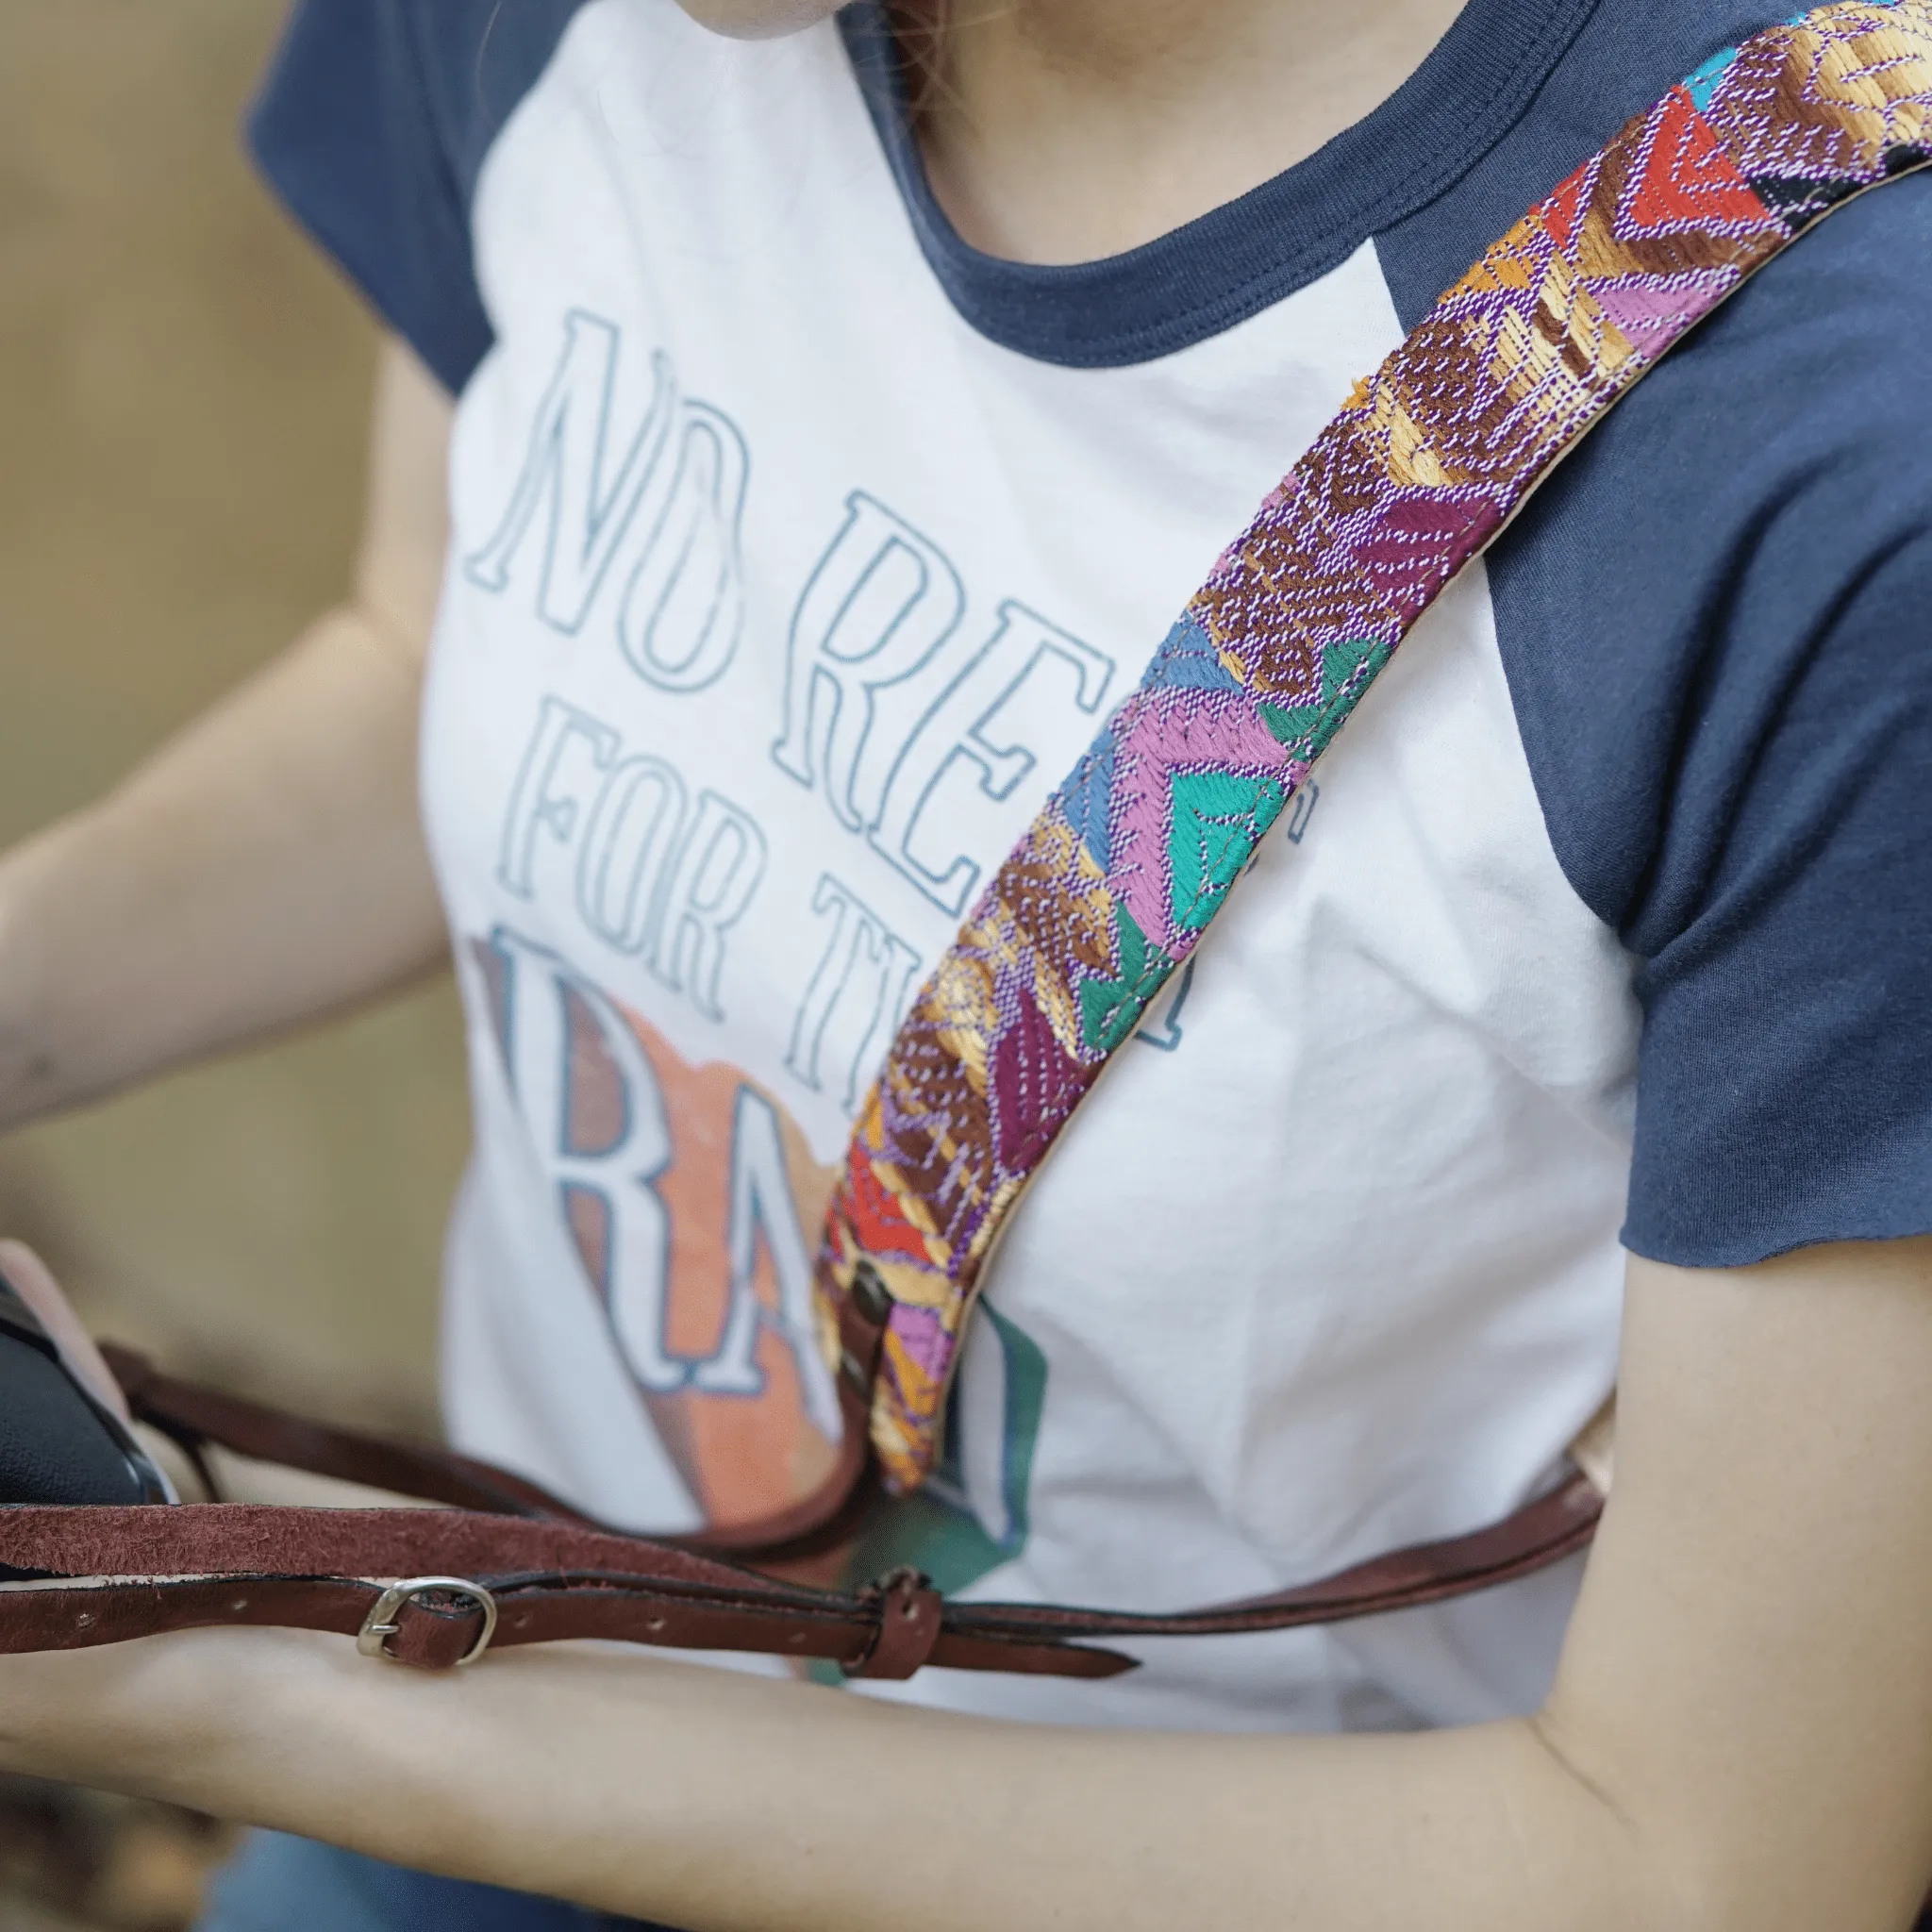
[(266, 866), (1739, 1739)]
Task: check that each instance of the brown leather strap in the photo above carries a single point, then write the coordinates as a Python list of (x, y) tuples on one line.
[(103, 1576), (555, 1574), (325, 1570), (195, 1416), (1540, 1533), (912, 1627)]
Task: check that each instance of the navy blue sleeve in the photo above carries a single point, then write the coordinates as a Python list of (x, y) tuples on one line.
[(372, 126), (1717, 626), (1716, 621)]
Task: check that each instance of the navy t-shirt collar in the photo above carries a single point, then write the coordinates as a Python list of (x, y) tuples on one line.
[(1249, 254)]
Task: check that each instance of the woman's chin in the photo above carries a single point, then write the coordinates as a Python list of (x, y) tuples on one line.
[(758, 20)]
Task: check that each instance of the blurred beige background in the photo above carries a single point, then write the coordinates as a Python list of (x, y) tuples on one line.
[(182, 405)]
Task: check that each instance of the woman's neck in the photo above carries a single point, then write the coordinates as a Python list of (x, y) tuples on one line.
[(1065, 130)]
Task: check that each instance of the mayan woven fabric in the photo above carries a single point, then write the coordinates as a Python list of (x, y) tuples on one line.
[(1113, 884)]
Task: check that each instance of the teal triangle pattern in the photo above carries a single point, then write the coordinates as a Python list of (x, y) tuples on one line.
[(1347, 665), (1112, 1008), (1217, 818)]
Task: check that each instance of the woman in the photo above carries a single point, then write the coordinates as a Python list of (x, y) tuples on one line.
[(845, 406)]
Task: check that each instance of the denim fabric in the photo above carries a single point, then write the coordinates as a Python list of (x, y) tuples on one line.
[(277, 1883)]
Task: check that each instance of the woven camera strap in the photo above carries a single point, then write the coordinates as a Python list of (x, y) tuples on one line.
[(1105, 897)]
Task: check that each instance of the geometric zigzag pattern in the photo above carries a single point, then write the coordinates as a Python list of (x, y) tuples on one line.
[(1116, 880)]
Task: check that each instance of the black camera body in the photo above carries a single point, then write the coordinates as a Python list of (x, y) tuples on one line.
[(58, 1443)]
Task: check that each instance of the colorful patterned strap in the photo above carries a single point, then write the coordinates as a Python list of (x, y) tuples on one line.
[(1130, 859)]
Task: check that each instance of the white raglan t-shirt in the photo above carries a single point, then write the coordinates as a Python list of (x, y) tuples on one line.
[(798, 552)]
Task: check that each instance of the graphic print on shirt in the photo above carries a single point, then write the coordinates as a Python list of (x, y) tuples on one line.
[(681, 482), (690, 1190), (685, 1191), (877, 737), (660, 875)]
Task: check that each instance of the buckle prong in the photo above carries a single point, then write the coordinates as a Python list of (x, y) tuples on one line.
[(381, 1623)]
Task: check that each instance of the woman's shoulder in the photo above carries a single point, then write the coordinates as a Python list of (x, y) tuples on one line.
[(1714, 623), (1729, 536), (376, 118), (371, 124)]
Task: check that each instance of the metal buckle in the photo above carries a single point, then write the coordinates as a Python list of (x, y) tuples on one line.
[(380, 1625)]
